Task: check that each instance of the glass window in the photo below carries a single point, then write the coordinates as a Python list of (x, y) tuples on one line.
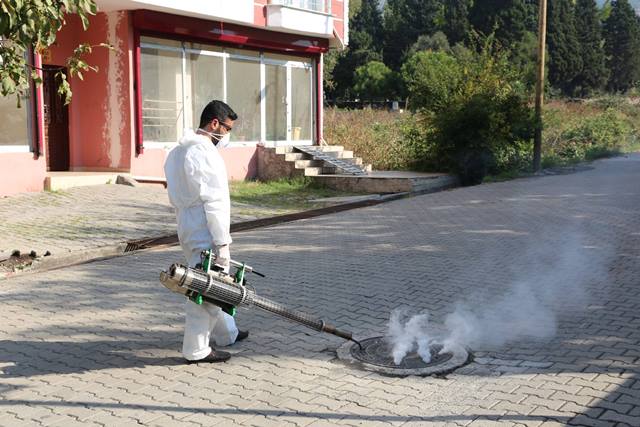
[(279, 57), (276, 102), (179, 79), (205, 74), (14, 127), (243, 96), (203, 47), (162, 42), (301, 104), (162, 100)]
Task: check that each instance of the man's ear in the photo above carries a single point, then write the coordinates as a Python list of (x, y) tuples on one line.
[(214, 123)]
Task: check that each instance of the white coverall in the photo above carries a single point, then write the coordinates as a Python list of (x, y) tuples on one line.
[(199, 191)]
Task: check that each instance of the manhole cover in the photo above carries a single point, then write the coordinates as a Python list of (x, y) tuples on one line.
[(375, 355)]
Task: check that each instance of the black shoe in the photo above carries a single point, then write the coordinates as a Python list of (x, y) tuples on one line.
[(242, 335), (214, 357)]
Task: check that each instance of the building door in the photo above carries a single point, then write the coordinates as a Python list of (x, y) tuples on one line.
[(56, 122)]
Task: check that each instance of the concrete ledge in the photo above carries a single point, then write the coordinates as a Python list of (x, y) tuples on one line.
[(62, 180), (388, 182)]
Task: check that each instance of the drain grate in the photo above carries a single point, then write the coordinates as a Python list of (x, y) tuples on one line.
[(375, 355), (377, 351)]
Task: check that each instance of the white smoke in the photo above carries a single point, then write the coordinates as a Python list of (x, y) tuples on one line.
[(405, 334), (545, 284)]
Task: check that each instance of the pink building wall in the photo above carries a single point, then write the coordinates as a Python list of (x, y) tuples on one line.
[(100, 125), (20, 172), (102, 113)]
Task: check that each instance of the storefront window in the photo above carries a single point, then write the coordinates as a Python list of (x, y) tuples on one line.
[(301, 104), (272, 94), (162, 94), (206, 76), (276, 102), (243, 96), (14, 127)]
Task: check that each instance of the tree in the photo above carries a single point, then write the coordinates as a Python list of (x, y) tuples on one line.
[(373, 81), (622, 46), (456, 24), (30, 26), (565, 62), (404, 22), (436, 42), (593, 75), (507, 18), (365, 45)]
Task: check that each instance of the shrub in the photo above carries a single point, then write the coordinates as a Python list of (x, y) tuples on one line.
[(431, 79), (483, 135), (482, 124)]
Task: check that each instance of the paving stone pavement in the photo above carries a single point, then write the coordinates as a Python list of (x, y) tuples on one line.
[(98, 344), (85, 218)]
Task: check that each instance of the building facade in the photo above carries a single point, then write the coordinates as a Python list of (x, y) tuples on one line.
[(169, 58)]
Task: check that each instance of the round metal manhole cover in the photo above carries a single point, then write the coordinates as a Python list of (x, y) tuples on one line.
[(376, 355)]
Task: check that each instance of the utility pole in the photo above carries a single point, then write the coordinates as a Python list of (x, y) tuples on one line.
[(542, 36)]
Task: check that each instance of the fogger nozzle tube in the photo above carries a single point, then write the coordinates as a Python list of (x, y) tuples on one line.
[(221, 287)]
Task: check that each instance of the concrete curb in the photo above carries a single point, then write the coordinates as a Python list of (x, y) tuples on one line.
[(125, 248)]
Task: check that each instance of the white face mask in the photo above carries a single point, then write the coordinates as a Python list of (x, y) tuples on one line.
[(222, 140)]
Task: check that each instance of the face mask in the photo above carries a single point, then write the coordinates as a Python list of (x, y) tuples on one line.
[(222, 141)]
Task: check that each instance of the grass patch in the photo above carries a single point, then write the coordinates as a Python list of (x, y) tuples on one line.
[(284, 194)]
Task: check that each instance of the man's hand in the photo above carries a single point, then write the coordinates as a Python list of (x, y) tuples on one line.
[(223, 256)]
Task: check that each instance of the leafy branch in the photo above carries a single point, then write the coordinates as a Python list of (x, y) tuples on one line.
[(32, 25)]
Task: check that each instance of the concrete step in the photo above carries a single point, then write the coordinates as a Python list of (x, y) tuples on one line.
[(302, 164), (313, 171), (284, 149), (292, 157), (55, 181)]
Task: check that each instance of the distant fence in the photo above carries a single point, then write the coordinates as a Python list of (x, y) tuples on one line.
[(359, 104)]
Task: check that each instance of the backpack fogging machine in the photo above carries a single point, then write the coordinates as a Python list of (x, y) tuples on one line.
[(209, 282)]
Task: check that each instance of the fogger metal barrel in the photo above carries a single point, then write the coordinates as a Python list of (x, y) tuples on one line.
[(221, 287)]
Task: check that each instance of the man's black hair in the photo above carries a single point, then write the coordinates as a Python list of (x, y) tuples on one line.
[(216, 110)]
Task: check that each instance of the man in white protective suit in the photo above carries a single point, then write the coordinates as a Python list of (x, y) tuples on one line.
[(199, 191)]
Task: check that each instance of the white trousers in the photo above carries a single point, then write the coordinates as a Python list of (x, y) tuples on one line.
[(205, 322)]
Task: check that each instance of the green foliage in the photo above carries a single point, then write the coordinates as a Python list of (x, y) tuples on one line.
[(507, 19), (404, 22), (483, 134), (373, 81), (604, 132), (365, 45), (386, 140), (437, 42), (622, 46), (283, 195), (456, 24), (565, 61), (478, 118), (27, 24), (594, 74), (584, 131), (431, 79)]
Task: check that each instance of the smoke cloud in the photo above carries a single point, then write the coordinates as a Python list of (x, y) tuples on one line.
[(545, 284), (405, 333)]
